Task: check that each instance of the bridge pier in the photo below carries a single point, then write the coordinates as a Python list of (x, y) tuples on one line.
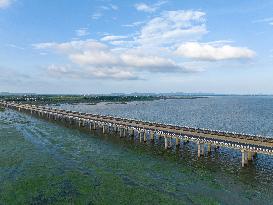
[(249, 156), (244, 160), (125, 132), (177, 141), (201, 150), (121, 132), (151, 136), (166, 142), (103, 129), (144, 135), (209, 148), (140, 135)]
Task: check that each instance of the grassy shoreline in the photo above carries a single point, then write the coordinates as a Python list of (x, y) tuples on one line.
[(92, 100)]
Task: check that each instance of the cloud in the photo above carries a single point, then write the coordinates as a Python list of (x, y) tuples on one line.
[(5, 3), (96, 58), (270, 19), (172, 27), (209, 52), (97, 15), (149, 8), (144, 7), (151, 63), (112, 38), (15, 46), (134, 24), (82, 32), (265, 20), (159, 46), (68, 71)]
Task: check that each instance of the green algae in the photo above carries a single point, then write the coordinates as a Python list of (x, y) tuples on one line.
[(44, 163)]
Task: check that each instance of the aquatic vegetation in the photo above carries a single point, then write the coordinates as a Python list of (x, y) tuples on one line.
[(47, 163)]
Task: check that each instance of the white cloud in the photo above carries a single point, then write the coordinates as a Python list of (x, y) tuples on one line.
[(5, 3), (265, 20), (173, 27), (159, 46), (151, 63), (134, 24), (144, 7), (95, 58), (112, 38), (209, 52), (82, 32), (91, 56), (96, 15), (149, 8)]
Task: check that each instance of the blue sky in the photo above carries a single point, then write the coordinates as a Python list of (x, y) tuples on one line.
[(104, 46)]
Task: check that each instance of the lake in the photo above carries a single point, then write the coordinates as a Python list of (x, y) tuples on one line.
[(43, 162)]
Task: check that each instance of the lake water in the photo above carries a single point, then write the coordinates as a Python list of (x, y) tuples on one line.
[(44, 162)]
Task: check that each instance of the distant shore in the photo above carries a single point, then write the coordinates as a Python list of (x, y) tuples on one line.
[(91, 100)]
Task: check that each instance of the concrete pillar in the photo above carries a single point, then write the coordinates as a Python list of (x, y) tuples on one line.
[(120, 132), (177, 141), (79, 123), (198, 149), (144, 135), (209, 148), (90, 126), (244, 161), (151, 135), (249, 156), (125, 132), (202, 149), (140, 135), (103, 129), (170, 142), (166, 142), (132, 132)]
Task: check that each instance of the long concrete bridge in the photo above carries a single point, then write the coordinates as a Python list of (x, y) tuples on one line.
[(249, 145)]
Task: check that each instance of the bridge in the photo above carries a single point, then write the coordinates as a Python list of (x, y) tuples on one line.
[(205, 139)]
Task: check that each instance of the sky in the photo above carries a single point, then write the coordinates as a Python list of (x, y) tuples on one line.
[(118, 46)]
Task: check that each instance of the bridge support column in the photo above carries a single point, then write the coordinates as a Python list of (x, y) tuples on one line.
[(125, 132), (244, 160), (103, 129), (209, 148), (140, 135), (90, 125), (177, 141), (249, 156), (200, 147), (166, 142), (145, 136), (79, 123), (120, 132), (152, 136)]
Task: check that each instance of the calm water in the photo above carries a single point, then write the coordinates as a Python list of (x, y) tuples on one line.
[(47, 163)]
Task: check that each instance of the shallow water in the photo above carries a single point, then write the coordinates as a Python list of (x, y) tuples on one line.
[(44, 162)]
